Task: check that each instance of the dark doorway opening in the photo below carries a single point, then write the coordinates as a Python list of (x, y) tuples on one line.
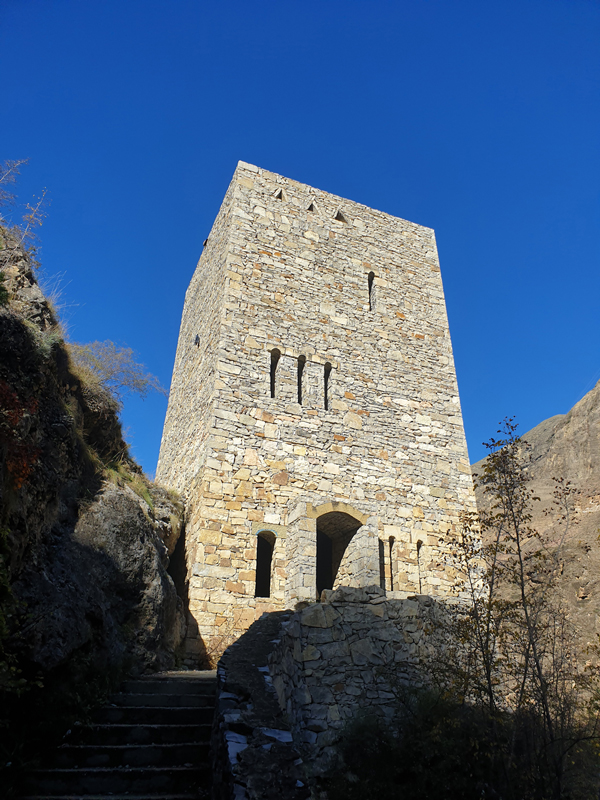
[(264, 556), (334, 533), (324, 563)]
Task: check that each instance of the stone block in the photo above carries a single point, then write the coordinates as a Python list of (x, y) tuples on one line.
[(310, 653), (336, 651), (362, 652), (318, 616), (321, 694)]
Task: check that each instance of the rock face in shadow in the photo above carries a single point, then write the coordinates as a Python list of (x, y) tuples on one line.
[(568, 446), (102, 588), (87, 558)]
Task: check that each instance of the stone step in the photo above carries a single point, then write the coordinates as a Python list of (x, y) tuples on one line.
[(187, 796), (170, 686), (148, 715), (117, 733), (151, 742), (127, 755), (162, 700), (147, 780)]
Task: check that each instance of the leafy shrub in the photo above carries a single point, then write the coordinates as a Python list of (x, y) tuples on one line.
[(441, 749)]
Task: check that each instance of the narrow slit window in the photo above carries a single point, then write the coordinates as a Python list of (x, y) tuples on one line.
[(264, 557), (275, 355), (382, 565), (371, 291), (301, 365), (391, 544), (326, 375)]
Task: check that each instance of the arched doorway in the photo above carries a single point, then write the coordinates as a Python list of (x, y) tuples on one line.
[(335, 530)]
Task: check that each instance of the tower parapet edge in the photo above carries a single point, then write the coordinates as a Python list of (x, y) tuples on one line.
[(314, 424)]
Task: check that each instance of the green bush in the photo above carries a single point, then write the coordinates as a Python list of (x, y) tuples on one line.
[(440, 749)]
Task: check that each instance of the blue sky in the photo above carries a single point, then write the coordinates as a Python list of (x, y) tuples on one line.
[(479, 119)]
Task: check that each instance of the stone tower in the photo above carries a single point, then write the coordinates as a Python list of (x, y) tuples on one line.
[(314, 426)]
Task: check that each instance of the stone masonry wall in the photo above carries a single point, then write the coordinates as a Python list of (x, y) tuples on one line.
[(346, 656), (183, 449), (351, 300), (290, 686)]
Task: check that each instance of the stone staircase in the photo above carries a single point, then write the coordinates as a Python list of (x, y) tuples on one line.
[(151, 742)]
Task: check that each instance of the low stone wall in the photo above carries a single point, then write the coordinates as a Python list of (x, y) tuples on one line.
[(346, 655), (290, 685)]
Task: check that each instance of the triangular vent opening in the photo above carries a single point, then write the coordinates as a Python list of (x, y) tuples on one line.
[(280, 195), (311, 207), (340, 217)]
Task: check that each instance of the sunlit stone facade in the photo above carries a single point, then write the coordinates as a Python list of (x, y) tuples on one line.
[(314, 425)]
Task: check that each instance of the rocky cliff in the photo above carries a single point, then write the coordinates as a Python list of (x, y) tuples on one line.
[(568, 446), (85, 539)]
